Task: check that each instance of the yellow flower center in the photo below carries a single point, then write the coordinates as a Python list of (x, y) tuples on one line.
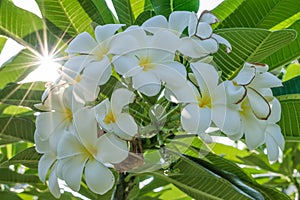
[(90, 151), (78, 78), (146, 64), (205, 101), (101, 52), (109, 118), (68, 114)]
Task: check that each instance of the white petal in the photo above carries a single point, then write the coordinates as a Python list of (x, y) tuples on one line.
[(147, 83), (120, 98), (222, 40), (53, 183), (123, 43), (101, 111), (86, 131), (194, 119), (273, 130), (164, 41), (98, 177), (204, 30), (111, 149), (44, 165), (259, 104), (127, 126), (192, 48), (192, 25), (208, 17), (155, 24), (179, 20), (74, 66), (82, 43), (265, 80), (125, 64), (254, 131), (106, 31), (227, 118), (69, 146), (72, 169), (178, 71), (245, 76), (275, 111), (234, 94), (41, 146), (185, 94)]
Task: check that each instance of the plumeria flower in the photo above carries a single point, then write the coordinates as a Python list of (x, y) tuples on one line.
[(255, 82), (152, 62), (85, 151), (111, 117), (274, 138), (202, 41), (90, 61), (197, 114)]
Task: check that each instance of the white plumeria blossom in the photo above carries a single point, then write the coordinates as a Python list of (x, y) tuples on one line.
[(152, 63), (85, 151), (111, 117)]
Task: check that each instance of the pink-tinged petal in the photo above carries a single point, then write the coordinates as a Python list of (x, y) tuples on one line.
[(187, 93), (177, 70), (208, 17), (120, 98), (147, 83), (98, 177), (44, 165), (127, 126), (259, 105), (53, 183), (82, 43), (47, 123), (275, 111), (194, 119), (86, 131), (69, 146), (254, 131), (273, 131), (125, 64), (106, 31), (265, 80), (227, 118), (155, 24), (222, 40), (111, 149), (71, 169), (194, 47), (201, 71), (204, 30), (179, 20), (245, 76)]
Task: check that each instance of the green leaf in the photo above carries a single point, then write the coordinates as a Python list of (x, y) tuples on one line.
[(200, 183), (165, 7), (26, 94), (139, 6), (267, 13), (292, 71), (17, 23), (288, 53), (9, 195), (15, 71), (29, 157), (17, 128), (3, 40), (10, 177), (290, 117), (249, 45), (124, 11), (291, 86), (105, 12), (144, 16), (70, 16)]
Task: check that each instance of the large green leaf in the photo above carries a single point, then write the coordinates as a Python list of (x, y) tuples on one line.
[(287, 54), (18, 68), (291, 86), (9, 195), (124, 11), (26, 94), (267, 13), (139, 6), (17, 128), (3, 40), (252, 45), (29, 157), (290, 117), (11, 177), (70, 16), (17, 23), (200, 183), (165, 7), (105, 12)]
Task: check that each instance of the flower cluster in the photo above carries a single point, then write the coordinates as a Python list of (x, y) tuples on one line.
[(79, 133)]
